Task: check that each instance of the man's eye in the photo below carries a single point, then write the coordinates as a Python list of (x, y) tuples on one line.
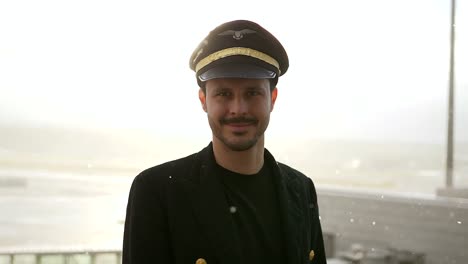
[(253, 93), (223, 94)]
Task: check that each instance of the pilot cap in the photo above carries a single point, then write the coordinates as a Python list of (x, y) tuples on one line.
[(239, 49)]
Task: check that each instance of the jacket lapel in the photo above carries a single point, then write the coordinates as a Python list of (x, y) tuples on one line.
[(211, 208), (289, 205)]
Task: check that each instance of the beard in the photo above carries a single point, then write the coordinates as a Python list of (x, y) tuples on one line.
[(237, 141)]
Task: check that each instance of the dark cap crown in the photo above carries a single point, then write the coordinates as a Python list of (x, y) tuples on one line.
[(240, 42)]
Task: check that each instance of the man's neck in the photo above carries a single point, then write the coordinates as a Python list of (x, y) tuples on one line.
[(244, 162)]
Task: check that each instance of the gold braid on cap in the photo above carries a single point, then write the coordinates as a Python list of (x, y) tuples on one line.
[(236, 51)]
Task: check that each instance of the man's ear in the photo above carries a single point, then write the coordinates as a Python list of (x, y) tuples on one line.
[(274, 94), (202, 97)]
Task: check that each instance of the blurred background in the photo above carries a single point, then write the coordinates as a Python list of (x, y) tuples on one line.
[(93, 92)]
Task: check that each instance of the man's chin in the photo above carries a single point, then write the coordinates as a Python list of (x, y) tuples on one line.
[(240, 145)]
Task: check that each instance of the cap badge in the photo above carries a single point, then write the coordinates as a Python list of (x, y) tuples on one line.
[(237, 34)]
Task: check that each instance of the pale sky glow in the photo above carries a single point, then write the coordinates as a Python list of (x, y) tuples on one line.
[(92, 92), (125, 64)]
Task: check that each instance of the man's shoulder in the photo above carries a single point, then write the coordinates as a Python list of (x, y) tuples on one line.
[(296, 178), (167, 169), (288, 173), (292, 172)]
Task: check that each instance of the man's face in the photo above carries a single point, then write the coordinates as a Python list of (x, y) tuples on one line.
[(238, 110)]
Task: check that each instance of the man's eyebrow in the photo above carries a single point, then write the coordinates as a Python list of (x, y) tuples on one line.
[(220, 88), (255, 88)]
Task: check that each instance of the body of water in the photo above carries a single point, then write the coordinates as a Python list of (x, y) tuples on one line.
[(42, 210)]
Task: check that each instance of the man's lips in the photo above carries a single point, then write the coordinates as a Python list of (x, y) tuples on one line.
[(239, 127), (240, 124)]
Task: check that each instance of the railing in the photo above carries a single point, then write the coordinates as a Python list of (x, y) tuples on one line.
[(60, 256), (426, 229)]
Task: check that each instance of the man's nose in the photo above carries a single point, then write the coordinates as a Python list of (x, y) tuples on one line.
[(238, 106)]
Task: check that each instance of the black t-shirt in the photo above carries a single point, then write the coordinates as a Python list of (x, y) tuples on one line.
[(254, 208)]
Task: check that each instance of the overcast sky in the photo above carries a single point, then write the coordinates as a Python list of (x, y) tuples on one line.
[(358, 69)]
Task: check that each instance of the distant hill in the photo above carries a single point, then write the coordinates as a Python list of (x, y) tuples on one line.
[(84, 149)]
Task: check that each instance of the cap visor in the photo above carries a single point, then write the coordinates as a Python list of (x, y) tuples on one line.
[(247, 71)]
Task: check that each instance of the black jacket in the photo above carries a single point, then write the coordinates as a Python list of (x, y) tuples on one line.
[(177, 213)]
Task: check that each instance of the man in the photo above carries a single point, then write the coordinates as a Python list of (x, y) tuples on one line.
[(231, 202)]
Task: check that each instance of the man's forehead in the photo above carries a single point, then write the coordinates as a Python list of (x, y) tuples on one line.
[(237, 83)]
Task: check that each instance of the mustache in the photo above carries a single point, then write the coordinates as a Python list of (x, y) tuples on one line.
[(234, 120)]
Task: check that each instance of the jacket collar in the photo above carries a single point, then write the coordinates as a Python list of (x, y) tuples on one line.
[(212, 210)]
